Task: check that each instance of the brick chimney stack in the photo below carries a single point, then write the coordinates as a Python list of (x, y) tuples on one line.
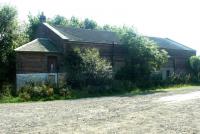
[(42, 18)]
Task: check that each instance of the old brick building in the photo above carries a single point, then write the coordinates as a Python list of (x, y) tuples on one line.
[(43, 58)]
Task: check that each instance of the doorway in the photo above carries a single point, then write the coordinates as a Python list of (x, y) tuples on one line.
[(52, 66)]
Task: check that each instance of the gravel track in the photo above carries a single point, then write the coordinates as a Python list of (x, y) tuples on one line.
[(152, 113)]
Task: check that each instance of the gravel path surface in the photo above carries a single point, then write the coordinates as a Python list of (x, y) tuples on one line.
[(152, 113)]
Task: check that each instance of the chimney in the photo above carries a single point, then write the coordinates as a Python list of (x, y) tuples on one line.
[(42, 18)]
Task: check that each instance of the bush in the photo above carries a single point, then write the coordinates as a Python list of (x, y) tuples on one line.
[(143, 57), (35, 92), (25, 96), (7, 90), (85, 67), (194, 63)]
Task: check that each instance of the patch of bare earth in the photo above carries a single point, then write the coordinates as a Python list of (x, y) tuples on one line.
[(154, 113)]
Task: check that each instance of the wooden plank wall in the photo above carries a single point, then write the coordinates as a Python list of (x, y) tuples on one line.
[(29, 62)]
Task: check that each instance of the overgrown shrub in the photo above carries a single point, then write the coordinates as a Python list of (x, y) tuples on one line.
[(85, 67), (194, 64), (179, 78), (6, 90), (35, 92), (143, 57)]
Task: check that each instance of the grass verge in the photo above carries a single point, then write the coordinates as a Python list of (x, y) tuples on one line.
[(77, 94)]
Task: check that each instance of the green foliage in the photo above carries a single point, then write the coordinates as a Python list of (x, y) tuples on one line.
[(179, 79), (12, 35), (35, 92), (73, 22), (59, 20), (22, 36), (85, 67), (6, 90), (143, 57), (32, 26), (107, 27), (8, 37), (89, 24), (194, 63), (8, 26)]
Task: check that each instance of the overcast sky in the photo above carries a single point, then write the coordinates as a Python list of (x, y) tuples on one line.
[(175, 19)]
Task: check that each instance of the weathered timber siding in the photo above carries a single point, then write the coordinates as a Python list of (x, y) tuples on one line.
[(179, 59), (30, 62)]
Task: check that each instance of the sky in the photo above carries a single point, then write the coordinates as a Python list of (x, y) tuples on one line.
[(175, 19)]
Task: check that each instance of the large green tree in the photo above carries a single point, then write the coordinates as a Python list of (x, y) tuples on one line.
[(143, 56), (8, 36), (12, 35)]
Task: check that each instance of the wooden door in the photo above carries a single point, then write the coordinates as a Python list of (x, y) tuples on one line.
[(52, 64)]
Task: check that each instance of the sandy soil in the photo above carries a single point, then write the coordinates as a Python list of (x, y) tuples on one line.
[(168, 113)]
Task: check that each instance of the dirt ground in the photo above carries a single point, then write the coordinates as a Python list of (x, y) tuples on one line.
[(175, 112)]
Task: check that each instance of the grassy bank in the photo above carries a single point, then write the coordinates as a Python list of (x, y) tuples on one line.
[(76, 94)]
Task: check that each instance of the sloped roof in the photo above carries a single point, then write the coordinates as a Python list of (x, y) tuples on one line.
[(85, 35), (169, 44), (38, 45)]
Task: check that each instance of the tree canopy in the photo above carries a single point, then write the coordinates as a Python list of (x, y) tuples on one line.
[(89, 24), (143, 57), (86, 67), (33, 23), (12, 35), (8, 37), (73, 22), (194, 63)]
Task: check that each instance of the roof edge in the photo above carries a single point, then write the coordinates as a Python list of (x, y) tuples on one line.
[(17, 49), (56, 31), (95, 42), (172, 41), (181, 44)]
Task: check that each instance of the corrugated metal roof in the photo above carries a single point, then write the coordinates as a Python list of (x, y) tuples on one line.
[(38, 45), (86, 35), (169, 44)]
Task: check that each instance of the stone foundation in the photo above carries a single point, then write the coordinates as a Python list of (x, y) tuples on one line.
[(54, 78)]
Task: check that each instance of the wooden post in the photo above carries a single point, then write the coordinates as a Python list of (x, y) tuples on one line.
[(113, 51)]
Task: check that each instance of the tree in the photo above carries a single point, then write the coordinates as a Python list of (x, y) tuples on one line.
[(32, 26), (89, 24), (194, 63), (8, 38), (12, 35), (59, 20), (85, 67), (143, 56), (75, 22)]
